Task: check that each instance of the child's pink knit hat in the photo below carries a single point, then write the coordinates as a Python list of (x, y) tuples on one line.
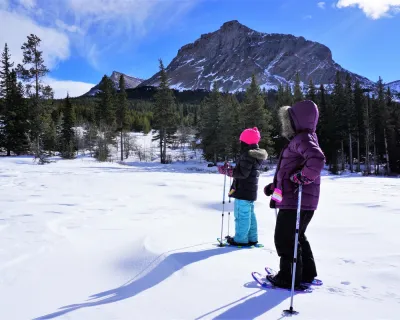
[(250, 136)]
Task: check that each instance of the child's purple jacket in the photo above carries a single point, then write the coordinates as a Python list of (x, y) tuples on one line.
[(301, 153)]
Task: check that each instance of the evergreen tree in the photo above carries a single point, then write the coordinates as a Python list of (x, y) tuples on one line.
[(380, 116), (350, 116), (281, 97), (32, 71), (210, 124), (391, 125), (324, 125), (122, 112), (311, 93), (105, 113), (164, 114), (288, 96), (393, 132), (16, 121), (67, 146), (278, 141), (5, 70), (254, 114), (337, 120), (235, 106), (359, 108), (298, 94), (368, 124), (52, 132), (227, 126), (266, 99)]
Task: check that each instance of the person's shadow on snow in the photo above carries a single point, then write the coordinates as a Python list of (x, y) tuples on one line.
[(251, 308), (172, 263)]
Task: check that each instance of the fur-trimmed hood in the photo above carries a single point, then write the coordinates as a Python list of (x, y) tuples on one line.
[(302, 116), (260, 154), (286, 122)]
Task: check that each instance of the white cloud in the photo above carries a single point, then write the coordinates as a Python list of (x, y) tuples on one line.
[(28, 4), (55, 45), (103, 23), (307, 17), (373, 9), (62, 87), (95, 28), (321, 5), (125, 16), (65, 27)]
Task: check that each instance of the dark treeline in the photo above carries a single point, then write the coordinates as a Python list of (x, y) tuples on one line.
[(359, 130)]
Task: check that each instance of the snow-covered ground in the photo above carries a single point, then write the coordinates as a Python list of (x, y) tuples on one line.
[(93, 241)]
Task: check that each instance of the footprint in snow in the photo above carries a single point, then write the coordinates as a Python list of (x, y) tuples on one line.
[(348, 261), (345, 283)]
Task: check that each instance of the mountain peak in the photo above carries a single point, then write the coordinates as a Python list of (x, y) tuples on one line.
[(230, 56), (116, 73), (130, 82), (232, 24)]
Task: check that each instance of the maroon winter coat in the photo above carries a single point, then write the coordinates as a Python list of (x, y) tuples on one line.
[(301, 153)]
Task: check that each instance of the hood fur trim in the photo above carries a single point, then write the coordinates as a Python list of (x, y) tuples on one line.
[(287, 128), (260, 154)]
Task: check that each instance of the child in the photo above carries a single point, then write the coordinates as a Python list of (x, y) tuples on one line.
[(244, 188), (300, 162)]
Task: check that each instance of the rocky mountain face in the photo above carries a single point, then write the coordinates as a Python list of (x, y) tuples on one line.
[(230, 55), (394, 86), (130, 83)]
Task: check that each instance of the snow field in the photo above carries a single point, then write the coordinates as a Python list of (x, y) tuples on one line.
[(88, 240)]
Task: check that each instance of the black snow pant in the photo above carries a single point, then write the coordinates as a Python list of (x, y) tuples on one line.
[(285, 230)]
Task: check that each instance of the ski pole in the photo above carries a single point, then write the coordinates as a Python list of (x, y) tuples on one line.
[(291, 311), (223, 211), (229, 212), (276, 213)]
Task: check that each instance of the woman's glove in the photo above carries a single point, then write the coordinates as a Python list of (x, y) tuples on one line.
[(299, 178), (269, 189)]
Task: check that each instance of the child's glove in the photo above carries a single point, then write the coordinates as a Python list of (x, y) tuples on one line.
[(269, 189), (299, 178)]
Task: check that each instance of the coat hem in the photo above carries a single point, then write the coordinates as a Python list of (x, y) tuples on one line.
[(291, 207)]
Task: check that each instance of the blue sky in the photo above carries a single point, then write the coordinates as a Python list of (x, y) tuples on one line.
[(84, 39)]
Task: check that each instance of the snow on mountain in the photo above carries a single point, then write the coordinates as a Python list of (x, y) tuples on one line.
[(231, 55), (395, 89), (394, 86), (88, 240)]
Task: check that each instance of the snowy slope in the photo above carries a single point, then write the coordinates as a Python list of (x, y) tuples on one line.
[(394, 86), (86, 240)]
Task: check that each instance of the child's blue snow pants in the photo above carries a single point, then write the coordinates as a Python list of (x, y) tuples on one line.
[(245, 222)]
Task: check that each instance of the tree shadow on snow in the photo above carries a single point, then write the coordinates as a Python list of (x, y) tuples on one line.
[(219, 206), (172, 263), (152, 167), (254, 307)]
